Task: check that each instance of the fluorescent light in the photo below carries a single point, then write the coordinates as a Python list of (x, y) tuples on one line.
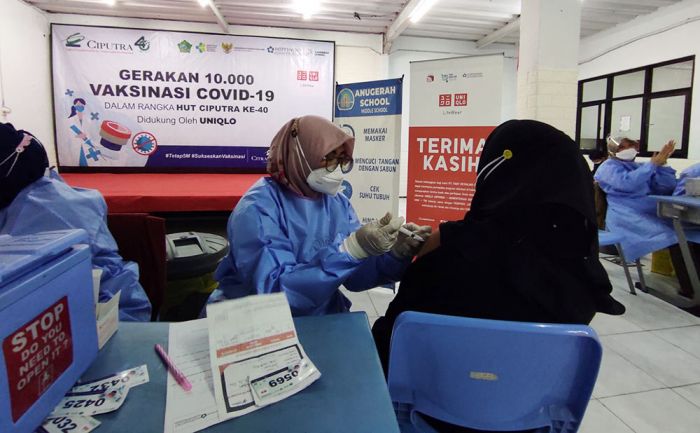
[(307, 7), (420, 10), (203, 3)]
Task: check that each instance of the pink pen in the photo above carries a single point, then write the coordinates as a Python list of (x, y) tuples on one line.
[(177, 374)]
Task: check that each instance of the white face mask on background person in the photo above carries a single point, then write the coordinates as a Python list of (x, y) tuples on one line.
[(320, 180), (627, 154)]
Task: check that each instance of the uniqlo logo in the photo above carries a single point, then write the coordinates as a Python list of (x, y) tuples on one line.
[(301, 75), (313, 75), (445, 100), (460, 99)]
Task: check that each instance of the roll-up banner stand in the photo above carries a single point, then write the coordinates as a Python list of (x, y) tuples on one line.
[(455, 104), (166, 100), (371, 112)]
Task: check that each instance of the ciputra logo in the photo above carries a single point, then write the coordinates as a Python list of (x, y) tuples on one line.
[(74, 40), (143, 44)]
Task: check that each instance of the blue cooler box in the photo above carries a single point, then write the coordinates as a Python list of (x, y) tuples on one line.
[(47, 323)]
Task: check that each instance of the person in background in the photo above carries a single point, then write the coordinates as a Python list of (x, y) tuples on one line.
[(293, 233), (34, 199), (527, 250), (597, 157), (676, 256), (689, 173), (628, 184), (632, 213)]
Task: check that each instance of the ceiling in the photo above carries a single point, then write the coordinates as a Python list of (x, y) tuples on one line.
[(484, 21)]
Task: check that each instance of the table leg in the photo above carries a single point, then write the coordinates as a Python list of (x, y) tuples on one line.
[(688, 259), (642, 283)]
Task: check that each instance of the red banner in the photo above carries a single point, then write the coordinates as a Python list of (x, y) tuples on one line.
[(36, 354), (442, 165)]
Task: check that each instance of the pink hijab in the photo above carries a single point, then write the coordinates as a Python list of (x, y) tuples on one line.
[(318, 137)]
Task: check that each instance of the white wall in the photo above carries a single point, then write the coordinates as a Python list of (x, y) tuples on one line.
[(670, 33), (25, 70)]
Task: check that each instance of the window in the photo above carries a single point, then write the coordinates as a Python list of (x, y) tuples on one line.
[(672, 77), (626, 118), (591, 126), (628, 84), (665, 121), (594, 90), (650, 104)]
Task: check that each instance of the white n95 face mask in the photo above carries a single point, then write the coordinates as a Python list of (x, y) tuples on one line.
[(320, 180), (627, 154)]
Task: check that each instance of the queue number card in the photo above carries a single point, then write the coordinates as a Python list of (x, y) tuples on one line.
[(256, 358)]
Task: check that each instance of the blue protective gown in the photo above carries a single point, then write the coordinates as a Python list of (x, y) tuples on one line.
[(281, 242), (631, 212), (51, 204), (690, 172)]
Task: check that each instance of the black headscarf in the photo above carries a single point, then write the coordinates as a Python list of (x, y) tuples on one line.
[(541, 165), (540, 198), (29, 166), (527, 250)]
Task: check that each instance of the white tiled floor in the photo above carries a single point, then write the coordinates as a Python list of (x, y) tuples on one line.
[(650, 375)]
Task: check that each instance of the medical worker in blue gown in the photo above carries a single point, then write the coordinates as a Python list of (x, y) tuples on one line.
[(631, 212), (34, 199), (628, 184), (293, 232)]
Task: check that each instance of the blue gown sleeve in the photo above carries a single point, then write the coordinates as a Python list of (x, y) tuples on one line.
[(376, 271), (50, 204), (87, 209), (265, 259), (613, 176), (664, 181), (117, 274), (692, 171)]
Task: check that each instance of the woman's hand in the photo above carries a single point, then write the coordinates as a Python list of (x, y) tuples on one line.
[(408, 246), (374, 238), (660, 158)]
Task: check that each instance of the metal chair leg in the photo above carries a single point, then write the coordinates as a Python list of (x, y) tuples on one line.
[(642, 284), (626, 268)]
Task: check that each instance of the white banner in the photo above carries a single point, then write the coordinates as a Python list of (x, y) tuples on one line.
[(371, 112), (144, 98), (455, 104)]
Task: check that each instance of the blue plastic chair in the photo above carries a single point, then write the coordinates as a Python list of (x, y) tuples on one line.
[(491, 375), (606, 238)]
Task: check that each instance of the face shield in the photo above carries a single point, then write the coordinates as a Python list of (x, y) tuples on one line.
[(613, 144), (626, 154)]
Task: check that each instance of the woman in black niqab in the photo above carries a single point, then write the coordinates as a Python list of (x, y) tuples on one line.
[(527, 250)]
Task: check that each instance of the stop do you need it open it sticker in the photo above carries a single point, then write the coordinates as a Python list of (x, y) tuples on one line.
[(36, 354)]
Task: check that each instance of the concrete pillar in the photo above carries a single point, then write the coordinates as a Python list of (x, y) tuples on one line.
[(548, 62)]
